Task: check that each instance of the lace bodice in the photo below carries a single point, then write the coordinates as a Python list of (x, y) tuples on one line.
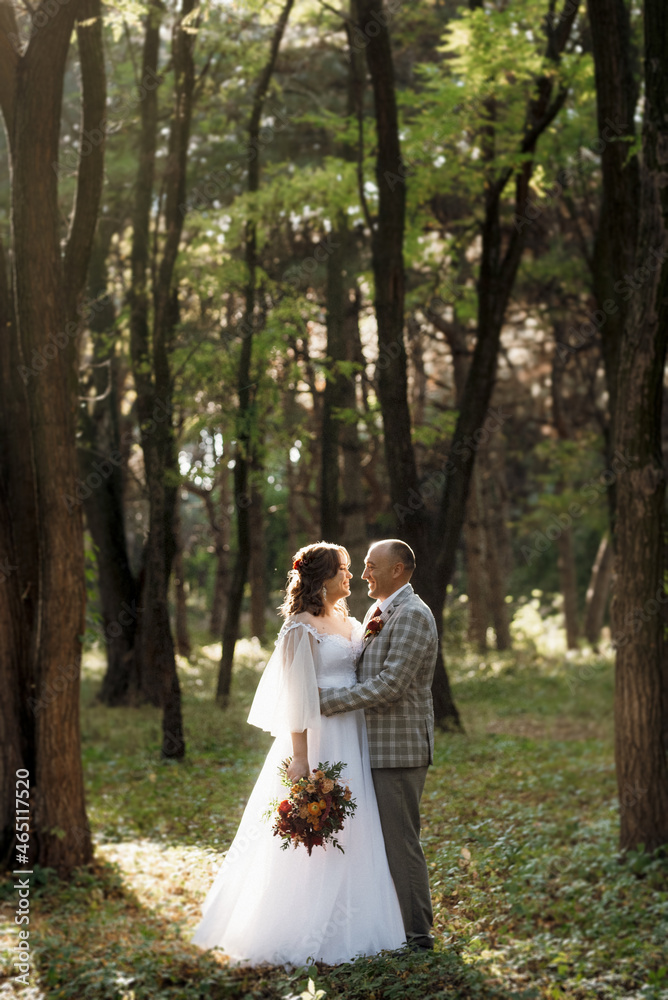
[(303, 660), (335, 665)]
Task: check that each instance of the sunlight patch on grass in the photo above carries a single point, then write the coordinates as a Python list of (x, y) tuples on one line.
[(168, 879), (520, 821)]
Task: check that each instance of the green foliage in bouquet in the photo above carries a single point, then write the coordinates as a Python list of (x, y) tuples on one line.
[(316, 808)]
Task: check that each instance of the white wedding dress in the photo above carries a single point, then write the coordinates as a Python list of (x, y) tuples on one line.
[(284, 907)]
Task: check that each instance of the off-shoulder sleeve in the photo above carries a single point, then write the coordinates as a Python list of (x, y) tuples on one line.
[(287, 699)]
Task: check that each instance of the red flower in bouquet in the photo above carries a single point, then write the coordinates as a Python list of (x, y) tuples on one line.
[(315, 810)]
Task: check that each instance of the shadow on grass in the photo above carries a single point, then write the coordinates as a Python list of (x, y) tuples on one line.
[(92, 939), (122, 933)]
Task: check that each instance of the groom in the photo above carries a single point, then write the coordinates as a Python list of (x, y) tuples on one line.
[(395, 671)]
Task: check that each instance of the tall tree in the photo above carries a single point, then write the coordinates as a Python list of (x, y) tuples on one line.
[(40, 331), (151, 339), (640, 747), (565, 546), (615, 240), (342, 500), (246, 431), (436, 545), (500, 259), (598, 591), (100, 447), (387, 243)]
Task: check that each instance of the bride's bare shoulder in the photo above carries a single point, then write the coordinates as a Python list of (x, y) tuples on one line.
[(306, 620), (303, 617)]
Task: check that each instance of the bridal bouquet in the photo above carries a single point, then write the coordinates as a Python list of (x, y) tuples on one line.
[(314, 811)]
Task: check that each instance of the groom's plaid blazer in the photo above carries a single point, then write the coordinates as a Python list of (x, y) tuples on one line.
[(395, 671)]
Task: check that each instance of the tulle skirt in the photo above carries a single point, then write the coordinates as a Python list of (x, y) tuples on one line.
[(268, 905)]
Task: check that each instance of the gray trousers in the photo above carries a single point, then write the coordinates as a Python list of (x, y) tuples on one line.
[(398, 791)]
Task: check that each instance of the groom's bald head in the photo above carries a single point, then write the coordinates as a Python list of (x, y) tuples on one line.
[(389, 565), (396, 552)]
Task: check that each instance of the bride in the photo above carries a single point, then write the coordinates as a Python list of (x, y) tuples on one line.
[(272, 906)]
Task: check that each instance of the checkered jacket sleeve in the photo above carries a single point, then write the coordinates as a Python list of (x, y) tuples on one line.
[(395, 672)]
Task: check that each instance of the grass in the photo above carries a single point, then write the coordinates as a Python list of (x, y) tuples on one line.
[(520, 829)]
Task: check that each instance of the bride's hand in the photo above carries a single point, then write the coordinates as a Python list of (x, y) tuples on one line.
[(298, 768)]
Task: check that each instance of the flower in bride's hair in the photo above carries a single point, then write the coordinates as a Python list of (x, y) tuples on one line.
[(297, 564)]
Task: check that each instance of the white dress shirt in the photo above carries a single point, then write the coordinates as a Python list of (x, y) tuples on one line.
[(388, 600)]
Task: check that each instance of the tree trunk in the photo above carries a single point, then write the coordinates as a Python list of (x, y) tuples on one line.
[(17, 750), (117, 586), (497, 541), (257, 571), (598, 591), (353, 505), (18, 576), (615, 239), (486, 558), (46, 291), (640, 749), (343, 506), (343, 510), (565, 552), (335, 390), (157, 677), (498, 271), (221, 528), (391, 367), (497, 275), (182, 638), (389, 282), (246, 403), (101, 458), (485, 581), (476, 564), (291, 481), (567, 582)]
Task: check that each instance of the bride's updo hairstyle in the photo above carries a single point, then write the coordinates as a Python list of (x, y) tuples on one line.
[(311, 566)]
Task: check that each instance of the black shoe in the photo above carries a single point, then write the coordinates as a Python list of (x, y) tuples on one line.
[(420, 943)]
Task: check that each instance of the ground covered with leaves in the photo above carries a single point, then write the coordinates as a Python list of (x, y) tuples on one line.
[(520, 831)]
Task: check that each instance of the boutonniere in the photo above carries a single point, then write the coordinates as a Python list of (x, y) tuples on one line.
[(373, 628)]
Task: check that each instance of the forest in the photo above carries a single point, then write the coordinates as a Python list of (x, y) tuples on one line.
[(280, 272)]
